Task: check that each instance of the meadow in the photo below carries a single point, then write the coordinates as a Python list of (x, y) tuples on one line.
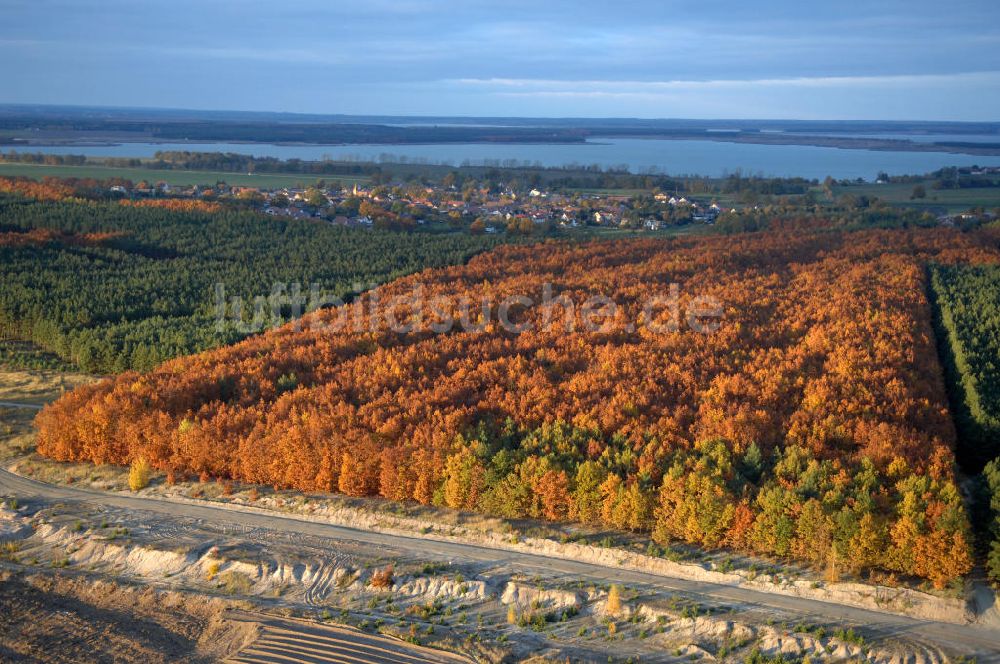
[(950, 201)]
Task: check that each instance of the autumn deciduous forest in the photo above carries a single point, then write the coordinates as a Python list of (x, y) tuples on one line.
[(813, 424)]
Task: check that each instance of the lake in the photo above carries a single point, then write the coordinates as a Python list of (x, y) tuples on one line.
[(676, 157)]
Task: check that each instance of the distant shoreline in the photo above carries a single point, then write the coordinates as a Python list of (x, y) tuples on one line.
[(25, 128), (763, 138), (844, 143)]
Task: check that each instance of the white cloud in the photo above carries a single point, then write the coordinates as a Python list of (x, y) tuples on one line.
[(522, 87)]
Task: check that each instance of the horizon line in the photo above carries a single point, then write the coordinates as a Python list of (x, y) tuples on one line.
[(34, 105)]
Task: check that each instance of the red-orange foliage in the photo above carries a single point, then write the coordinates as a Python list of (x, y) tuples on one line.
[(825, 345), (23, 239), (176, 204), (60, 189), (382, 578), (45, 235), (49, 189)]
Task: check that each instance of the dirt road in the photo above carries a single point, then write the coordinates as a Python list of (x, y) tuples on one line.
[(985, 641), (17, 404)]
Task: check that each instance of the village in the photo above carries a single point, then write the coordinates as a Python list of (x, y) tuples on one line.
[(477, 207)]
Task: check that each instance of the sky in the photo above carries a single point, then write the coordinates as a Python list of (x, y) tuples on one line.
[(878, 59)]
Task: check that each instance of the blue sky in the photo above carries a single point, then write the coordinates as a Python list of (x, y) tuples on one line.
[(880, 59)]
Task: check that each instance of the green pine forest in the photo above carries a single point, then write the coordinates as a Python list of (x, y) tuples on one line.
[(145, 292), (968, 321)]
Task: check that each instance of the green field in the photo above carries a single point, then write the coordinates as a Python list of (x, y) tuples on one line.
[(937, 200), (613, 232), (597, 191), (177, 178)]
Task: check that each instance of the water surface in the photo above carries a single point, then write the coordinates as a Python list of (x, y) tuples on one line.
[(676, 157)]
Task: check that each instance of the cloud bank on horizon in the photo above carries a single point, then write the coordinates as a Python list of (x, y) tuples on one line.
[(882, 59)]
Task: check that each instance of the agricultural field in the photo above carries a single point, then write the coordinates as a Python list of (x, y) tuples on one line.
[(180, 178), (811, 423), (948, 201)]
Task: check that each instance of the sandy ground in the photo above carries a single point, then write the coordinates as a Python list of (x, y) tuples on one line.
[(54, 618), (487, 607), (289, 641), (59, 617), (38, 387), (461, 582)]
